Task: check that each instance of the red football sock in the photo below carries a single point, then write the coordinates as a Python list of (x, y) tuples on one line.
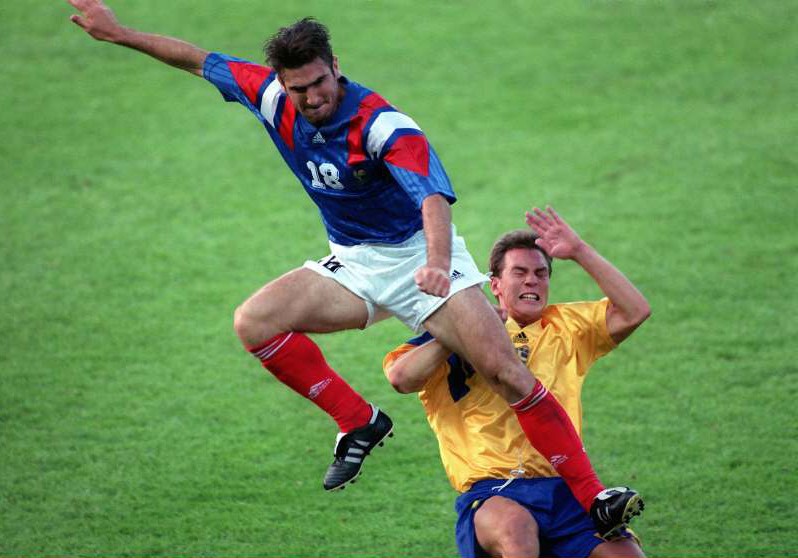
[(297, 362), (551, 432)]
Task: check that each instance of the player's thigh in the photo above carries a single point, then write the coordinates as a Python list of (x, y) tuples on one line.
[(468, 325), (626, 548), (303, 300), (505, 528)]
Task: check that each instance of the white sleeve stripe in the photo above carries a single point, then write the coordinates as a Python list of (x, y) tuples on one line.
[(383, 127), (269, 101)]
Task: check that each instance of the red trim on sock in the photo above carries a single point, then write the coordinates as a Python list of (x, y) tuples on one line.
[(535, 396), (270, 346)]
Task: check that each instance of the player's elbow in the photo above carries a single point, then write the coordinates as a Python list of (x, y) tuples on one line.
[(643, 313), (635, 315), (401, 380), (621, 324)]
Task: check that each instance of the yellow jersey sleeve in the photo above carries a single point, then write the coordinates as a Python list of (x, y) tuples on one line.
[(587, 322)]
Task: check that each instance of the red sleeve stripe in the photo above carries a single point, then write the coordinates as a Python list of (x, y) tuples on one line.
[(286, 129), (410, 152), (357, 125), (250, 78)]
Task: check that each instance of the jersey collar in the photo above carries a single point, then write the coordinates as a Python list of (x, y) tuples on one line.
[(513, 328)]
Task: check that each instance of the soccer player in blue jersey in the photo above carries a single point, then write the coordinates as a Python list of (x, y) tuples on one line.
[(384, 200)]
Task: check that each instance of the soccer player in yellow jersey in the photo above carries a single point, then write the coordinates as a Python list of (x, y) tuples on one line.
[(512, 502)]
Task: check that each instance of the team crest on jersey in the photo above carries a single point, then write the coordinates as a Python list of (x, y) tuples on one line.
[(360, 175), (523, 352)]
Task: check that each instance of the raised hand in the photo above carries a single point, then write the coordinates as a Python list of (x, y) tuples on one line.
[(557, 237), (96, 19), (99, 21)]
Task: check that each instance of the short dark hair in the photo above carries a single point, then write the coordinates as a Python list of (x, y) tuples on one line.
[(298, 44), (521, 238)]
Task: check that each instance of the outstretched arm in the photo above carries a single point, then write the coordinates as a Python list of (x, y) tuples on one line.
[(628, 307), (99, 21)]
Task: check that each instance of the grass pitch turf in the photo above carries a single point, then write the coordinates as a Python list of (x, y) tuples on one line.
[(138, 209)]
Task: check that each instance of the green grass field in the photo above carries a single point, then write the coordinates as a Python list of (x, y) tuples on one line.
[(138, 210)]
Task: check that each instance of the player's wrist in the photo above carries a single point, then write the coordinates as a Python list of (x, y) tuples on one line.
[(439, 265), (582, 251), (120, 35)]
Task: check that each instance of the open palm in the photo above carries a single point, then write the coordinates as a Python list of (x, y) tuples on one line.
[(557, 237)]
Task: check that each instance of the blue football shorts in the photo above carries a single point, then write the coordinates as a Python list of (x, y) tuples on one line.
[(564, 528)]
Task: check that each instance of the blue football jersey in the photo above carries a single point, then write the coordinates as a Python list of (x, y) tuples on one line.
[(368, 168)]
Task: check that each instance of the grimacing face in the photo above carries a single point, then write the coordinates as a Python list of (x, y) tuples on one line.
[(523, 286), (314, 89)]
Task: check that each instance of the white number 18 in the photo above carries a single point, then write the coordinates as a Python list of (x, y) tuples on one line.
[(326, 172)]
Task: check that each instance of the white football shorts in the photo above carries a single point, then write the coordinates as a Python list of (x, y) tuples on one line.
[(382, 275)]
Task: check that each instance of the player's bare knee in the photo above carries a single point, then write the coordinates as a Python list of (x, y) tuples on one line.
[(517, 539), (242, 324), (251, 327), (509, 532)]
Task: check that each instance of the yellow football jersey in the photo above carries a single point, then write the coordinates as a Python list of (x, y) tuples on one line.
[(478, 434)]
